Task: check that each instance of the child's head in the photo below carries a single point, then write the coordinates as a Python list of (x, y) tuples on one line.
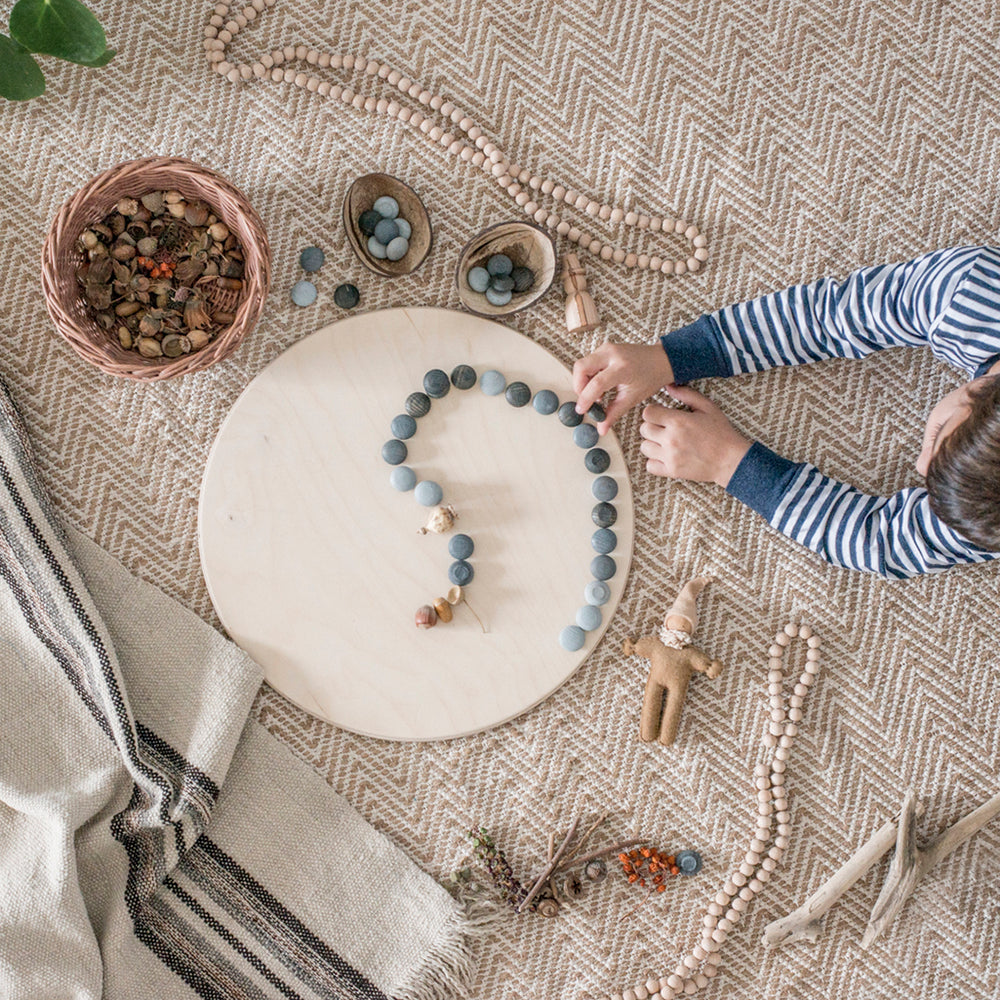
[(961, 460)]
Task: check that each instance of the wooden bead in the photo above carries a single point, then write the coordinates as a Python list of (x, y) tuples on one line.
[(746, 893), (783, 816), (813, 642), (547, 187), (631, 218), (233, 76), (448, 110), (701, 254), (655, 263), (675, 982), (739, 905), (690, 962), (424, 97), (644, 260), (224, 36), (679, 226), (618, 256), (563, 228), (699, 954), (477, 158), (655, 223), (277, 75), (607, 252), (301, 51), (733, 916), (667, 267), (652, 985), (559, 192), (746, 868), (616, 216), (738, 879), (595, 246), (371, 104), (475, 132), (541, 215), (700, 241), (593, 207), (574, 234), (631, 260)]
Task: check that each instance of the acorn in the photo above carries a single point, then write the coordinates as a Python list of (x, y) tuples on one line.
[(443, 609), (426, 617)]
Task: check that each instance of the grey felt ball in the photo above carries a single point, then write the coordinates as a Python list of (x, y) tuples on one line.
[(518, 394), (569, 416), (585, 436), (461, 573), (311, 259), (403, 478), (604, 541), (478, 279), (386, 206), (545, 402), (461, 546), (597, 460), (386, 231), (572, 638), (604, 488), (436, 383), (303, 293), (604, 515), (418, 404), (499, 263), (497, 298), (376, 249), (492, 382), (403, 426), (602, 567), (463, 376), (597, 592), (397, 248), (523, 277), (394, 452), (428, 493), (589, 617)]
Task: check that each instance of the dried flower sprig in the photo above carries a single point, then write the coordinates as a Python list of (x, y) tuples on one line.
[(498, 867)]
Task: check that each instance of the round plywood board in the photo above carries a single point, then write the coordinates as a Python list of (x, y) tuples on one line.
[(315, 564)]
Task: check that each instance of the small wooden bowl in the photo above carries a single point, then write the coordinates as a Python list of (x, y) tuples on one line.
[(527, 245), (361, 196), (61, 258)]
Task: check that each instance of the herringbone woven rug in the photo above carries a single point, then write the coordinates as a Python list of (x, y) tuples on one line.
[(806, 139)]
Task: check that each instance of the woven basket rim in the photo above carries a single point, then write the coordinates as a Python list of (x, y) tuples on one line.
[(91, 203)]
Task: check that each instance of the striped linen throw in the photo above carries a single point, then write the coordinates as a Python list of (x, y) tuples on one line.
[(154, 840)]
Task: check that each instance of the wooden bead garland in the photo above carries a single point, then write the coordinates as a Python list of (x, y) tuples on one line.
[(770, 837), (519, 182)]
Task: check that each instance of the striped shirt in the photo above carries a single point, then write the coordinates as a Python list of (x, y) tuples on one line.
[(948, 300)]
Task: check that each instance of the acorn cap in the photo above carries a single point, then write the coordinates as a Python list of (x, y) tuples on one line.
[(683, 614)]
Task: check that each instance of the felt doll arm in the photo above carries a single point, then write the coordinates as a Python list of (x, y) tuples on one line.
[(897, 536), (934, 299)]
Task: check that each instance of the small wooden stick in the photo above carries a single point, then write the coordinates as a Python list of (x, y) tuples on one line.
[(583, 840), (550, 868), (805, 923), (594, 855), (548, 858)]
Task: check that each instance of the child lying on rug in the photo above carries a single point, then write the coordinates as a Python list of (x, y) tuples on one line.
[(948, 300)]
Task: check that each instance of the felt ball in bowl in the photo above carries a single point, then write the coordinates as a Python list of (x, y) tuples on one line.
[(387, 226), (505, 268)]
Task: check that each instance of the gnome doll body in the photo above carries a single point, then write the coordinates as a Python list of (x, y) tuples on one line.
[(672, 661)]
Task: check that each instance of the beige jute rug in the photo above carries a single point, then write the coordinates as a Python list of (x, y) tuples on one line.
[(805, 139)]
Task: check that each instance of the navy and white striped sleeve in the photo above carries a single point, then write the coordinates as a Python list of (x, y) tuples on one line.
[(897, 536), (948, 299)]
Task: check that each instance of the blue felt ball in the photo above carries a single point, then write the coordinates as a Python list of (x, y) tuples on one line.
[(597, 592), (394, 452), (376, 249), (597, 460), (461, 546), (386, 231), (461, 573), (518, 394), (604, 514), (523, 277), (478, 279), (689, 862), (569, 416), (397, 248), (403, 478), (503, 283), (604, 541), (405, 229), (463, 376), (602, 567), (311, 259), (585, 436), (604, 488), (403, 426), (545, 402), (386, 206), (499, 263), (368, 221), (492, 382), (572, 638), (428, 493), (497, 298), (436, 383), (303, 293), (589, 617)]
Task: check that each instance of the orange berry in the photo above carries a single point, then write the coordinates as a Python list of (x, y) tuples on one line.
[(670, 859), (661, 888), (674, 870), (632, 877), (645, 852), (642, 882), (623, 857)]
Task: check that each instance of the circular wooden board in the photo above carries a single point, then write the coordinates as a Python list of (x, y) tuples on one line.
[(315, 564)]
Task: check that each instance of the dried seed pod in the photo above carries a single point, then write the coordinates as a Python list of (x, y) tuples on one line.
[(441, 520), (150, 326), (125, 337), (127, 308), (547, 908), (89, 239), (597, 870), (153, 202), (230, 268), (127, 206), (175, 344), (103, 231), (123, 251), (230, 284), (572, 887), (196, 213), (218, 231), (223, 318), (172, 197), (149, 348), (177, 209), (137, 229), (198, 339), (190, 270), (117, 224), (443, 609), (426, 617), (195, 316)]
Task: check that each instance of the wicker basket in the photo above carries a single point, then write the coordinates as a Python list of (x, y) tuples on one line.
[(61, 258)]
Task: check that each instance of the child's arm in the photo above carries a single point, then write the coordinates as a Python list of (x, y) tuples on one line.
[(897, 536), (949, 299)]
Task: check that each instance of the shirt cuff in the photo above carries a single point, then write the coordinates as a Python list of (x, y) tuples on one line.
[(696, 351), (762, 478), (986, 366)]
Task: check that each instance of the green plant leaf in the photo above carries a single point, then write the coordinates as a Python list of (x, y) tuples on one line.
[(101, 60), (21, 78), (62, 28)]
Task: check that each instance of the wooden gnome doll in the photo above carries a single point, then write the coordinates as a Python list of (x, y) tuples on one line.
[(672, 661)]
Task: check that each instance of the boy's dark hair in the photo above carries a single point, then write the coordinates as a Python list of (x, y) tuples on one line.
[(963, 477)]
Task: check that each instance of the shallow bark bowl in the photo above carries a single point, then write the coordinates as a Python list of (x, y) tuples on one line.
[(361, 196), (527, 245)]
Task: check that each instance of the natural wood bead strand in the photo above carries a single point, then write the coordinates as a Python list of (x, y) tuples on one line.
[(771, 836), (224, 26)]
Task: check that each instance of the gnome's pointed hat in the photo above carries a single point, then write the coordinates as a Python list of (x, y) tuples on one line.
[(683, 615)]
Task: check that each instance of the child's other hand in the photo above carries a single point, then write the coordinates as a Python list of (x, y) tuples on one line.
[(701, 445), (633, 371)]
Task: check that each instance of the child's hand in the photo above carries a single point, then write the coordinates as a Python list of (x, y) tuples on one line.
[(701, 445), (633, 371)]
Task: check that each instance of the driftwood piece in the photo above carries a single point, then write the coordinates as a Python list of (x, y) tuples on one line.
[(909, 864), (908, 867), (805, 923)]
